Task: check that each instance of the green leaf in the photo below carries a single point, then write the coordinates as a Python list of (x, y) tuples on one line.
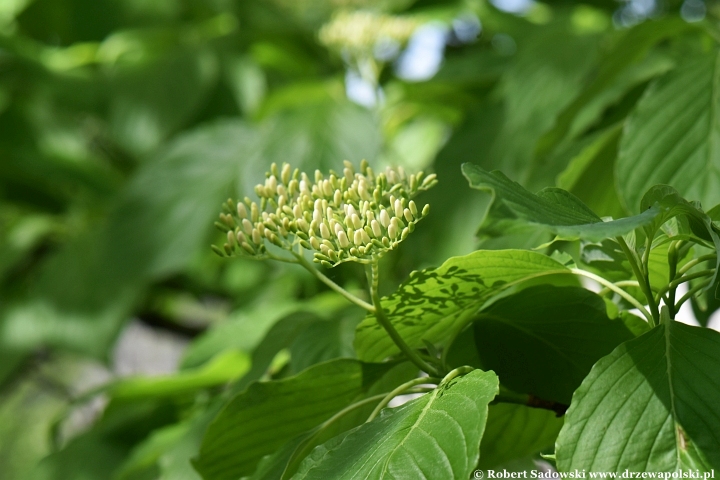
[(648, 406), (545, 339), (553, 209), (515, 431), (261, 419), (435, 436), (433, 304), (672, 136)]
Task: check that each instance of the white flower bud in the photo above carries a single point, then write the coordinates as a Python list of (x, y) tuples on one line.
[(317, 216), (271, 185), (247, 226), (375, 225), (304, 187), (297, 211), (336, 227), (429, 180), (256, 237), (357, 223), (337, 197), (241, 210), (358, 238), (384, 218), (348, 173), (231, 238), (392, 231), (324, 231), (246, 246), (285, 173), (329, 213), (327, 188), (365, 237), (318, 176), (413, 208), (254, 212), (398, 208), (343, 239), (350, 234), (408, 215), (240, 237), (315, 243), (281, 201)]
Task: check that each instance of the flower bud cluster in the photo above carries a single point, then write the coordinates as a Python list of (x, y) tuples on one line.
[(347, 216), (360, 30)]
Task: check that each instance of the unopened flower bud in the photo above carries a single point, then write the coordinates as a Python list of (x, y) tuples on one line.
[(358, 238), (247, 226), (256, 237), (324, 231), (285, 175), (392, 231), (413, 208), (398, 208), (246, 246), (408, 215), (426, 210), (357, 223), (254, 214), (315, 243), (375, 225), (337, 197), (241, 210), (405, 233), (384, 218), (343, 239), (231, 238)]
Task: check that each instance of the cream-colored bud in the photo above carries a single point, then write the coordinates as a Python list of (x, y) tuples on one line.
[(231, 238), (314, 225), (297, 211), (315, 243), (333, 256), (384, 218), (303, 186), (256, 238), (254, 214), (317, 216), (405, 233), (343, 239), (260, 191), (392, 231), (247, 226), (375, 225), (357, 223), (358, 238), (327, 188), (336, 227), (413, 182), (240, 237), (324, 249), (408, 215), (348, 164), (241, 210), (391, 176), (398, 208), (365, 237), (286, 173), (348, 174), (282, 201), (281, 190), (337, 197), (413, 208), (426, 209), (292, 187), (271, 185), (324, 231), (329, 213), (274, 169), (318, 176), (429, 180)]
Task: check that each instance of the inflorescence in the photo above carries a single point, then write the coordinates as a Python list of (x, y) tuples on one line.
[(351, 216)]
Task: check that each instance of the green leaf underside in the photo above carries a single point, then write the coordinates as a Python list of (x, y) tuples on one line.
[(544, 340), (516, 431), (434, 303), (672, 136), (553, 209), (435, 436), (651, 405), (261, 419)]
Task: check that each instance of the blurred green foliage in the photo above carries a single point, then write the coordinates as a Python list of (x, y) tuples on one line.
[(124, 124)]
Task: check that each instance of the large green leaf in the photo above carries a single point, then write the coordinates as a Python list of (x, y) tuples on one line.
[(435, 436), (434, 304), (516, 431), (651, 405), (545, 339), (672, 136), (553, 209), (261, 419)]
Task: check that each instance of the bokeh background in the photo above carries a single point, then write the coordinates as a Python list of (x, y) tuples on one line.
[(124, 124)]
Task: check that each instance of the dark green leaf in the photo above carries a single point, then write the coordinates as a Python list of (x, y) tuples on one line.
[(435, 436), (261, 419), (672, 136), (434, 304), (544, 340), (649, 406), (553, 209)]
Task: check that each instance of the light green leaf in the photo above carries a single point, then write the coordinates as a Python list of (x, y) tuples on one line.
[(545, 339), (672, 136), (649, 406), (553, 209), (435, 436), (516, 431), (433, 304), (261, 419)]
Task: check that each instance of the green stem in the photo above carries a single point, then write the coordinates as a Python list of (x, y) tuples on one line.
[(690, 293), (384, 321), (616, 289), (642, 279), (334, 286), (622, 283), (398, 391), (686, 278), (685, 268), (456, 373), (672, 268)]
